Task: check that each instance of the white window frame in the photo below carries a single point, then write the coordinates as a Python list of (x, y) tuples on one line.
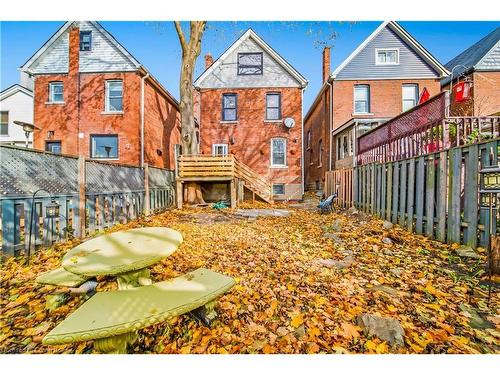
[(279, 184), (416, 88), (308, 140), (107, 108), (7, 123), (224, 147), (51, 92), (377, 50), (368, 99), (284, 165)]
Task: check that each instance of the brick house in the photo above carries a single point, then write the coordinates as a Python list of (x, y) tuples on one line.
[(250, 105), (383, 77), (92, 97), (479, 65)]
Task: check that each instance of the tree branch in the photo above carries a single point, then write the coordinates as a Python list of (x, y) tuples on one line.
[(180, 33)]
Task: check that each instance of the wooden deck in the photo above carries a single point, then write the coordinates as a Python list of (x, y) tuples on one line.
[(208, 168)]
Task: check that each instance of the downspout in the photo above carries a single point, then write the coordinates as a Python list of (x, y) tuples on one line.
[(330, 120), (142, 118), (302, 142)]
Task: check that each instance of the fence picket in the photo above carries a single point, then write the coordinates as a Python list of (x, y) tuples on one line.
[(411, 194), (419, 194), (430, 196), (471, 202), (441, 196), (402, 193), (395, 193), (454, 195)]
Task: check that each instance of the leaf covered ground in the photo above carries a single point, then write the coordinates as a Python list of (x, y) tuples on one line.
[(302, 281)]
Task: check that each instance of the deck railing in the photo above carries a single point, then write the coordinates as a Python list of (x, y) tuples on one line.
[(213, 167)]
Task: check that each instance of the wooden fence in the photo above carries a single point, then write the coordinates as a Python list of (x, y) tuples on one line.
[(340, 181), (92, 195), (436, 194)]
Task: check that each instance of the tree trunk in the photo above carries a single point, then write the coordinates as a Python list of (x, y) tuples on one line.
[(190, 51)]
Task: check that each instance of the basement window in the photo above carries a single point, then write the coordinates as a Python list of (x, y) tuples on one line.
[(278, 189)]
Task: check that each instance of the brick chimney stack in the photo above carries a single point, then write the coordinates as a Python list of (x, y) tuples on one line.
[(326, 63), (208, 60)]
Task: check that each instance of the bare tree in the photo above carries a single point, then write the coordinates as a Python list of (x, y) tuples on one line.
[(191, 49)]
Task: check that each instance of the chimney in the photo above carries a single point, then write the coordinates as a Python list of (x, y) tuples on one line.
[(326, 63), (208, 60)]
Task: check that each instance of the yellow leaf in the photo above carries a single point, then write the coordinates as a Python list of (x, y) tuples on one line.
[(370, 345), (297, 321), (391, 308), (382, 348), (314, 331), (313, 348), (267, 349)]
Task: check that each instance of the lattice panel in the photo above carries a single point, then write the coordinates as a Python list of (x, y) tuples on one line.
[(160, 177), (410, 122), (104, 177), (23, 171)]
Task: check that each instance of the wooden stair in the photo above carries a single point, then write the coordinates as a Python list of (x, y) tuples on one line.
[(203, 168)]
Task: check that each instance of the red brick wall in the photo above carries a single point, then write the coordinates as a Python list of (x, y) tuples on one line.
[(68, 120), (252, 135), (385, 97), (486, 93), (318, 124), (161, 128)]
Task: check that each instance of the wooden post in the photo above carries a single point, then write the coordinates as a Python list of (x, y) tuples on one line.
[(233, 194), (179, 193), (147, 200), (82, 215)]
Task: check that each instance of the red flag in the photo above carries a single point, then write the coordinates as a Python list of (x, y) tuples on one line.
[(424, 96)]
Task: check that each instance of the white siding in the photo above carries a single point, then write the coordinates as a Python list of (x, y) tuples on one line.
[(104, 56), (363, 65), (492, 60), (226, 75), (20, 107), (55, 59)]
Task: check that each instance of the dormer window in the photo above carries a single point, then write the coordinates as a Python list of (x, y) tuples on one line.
[(250, 63), (85, 40), (387, 56)]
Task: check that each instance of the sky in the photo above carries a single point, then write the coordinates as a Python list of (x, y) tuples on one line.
[(156, 46)]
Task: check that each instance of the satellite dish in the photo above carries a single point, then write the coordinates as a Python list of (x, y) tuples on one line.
[(289, 122)]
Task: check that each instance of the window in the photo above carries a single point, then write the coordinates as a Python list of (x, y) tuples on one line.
[(250, 63), (53, 146), (345, 146), (229, 107), (85, 40), (308, 143), (361, 98), (4, 123), (273, 106), (278, 189), (410, 96), (56, 92), (114, 96), (387, 57), (339, 149), (219, 149), (104, 146), (320, 153), (278, 152)]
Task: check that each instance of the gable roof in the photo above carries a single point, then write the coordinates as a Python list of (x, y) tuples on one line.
[(262, 44), (26, 66), (473, 57), (11, 90), (407, 38)]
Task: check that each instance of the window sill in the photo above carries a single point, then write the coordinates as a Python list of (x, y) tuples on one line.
[(117, 113), (105, 159), (319, 166), (362, 114), (273, 121), (55, 103), (389, 63), (279, 167), (228, 122)]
